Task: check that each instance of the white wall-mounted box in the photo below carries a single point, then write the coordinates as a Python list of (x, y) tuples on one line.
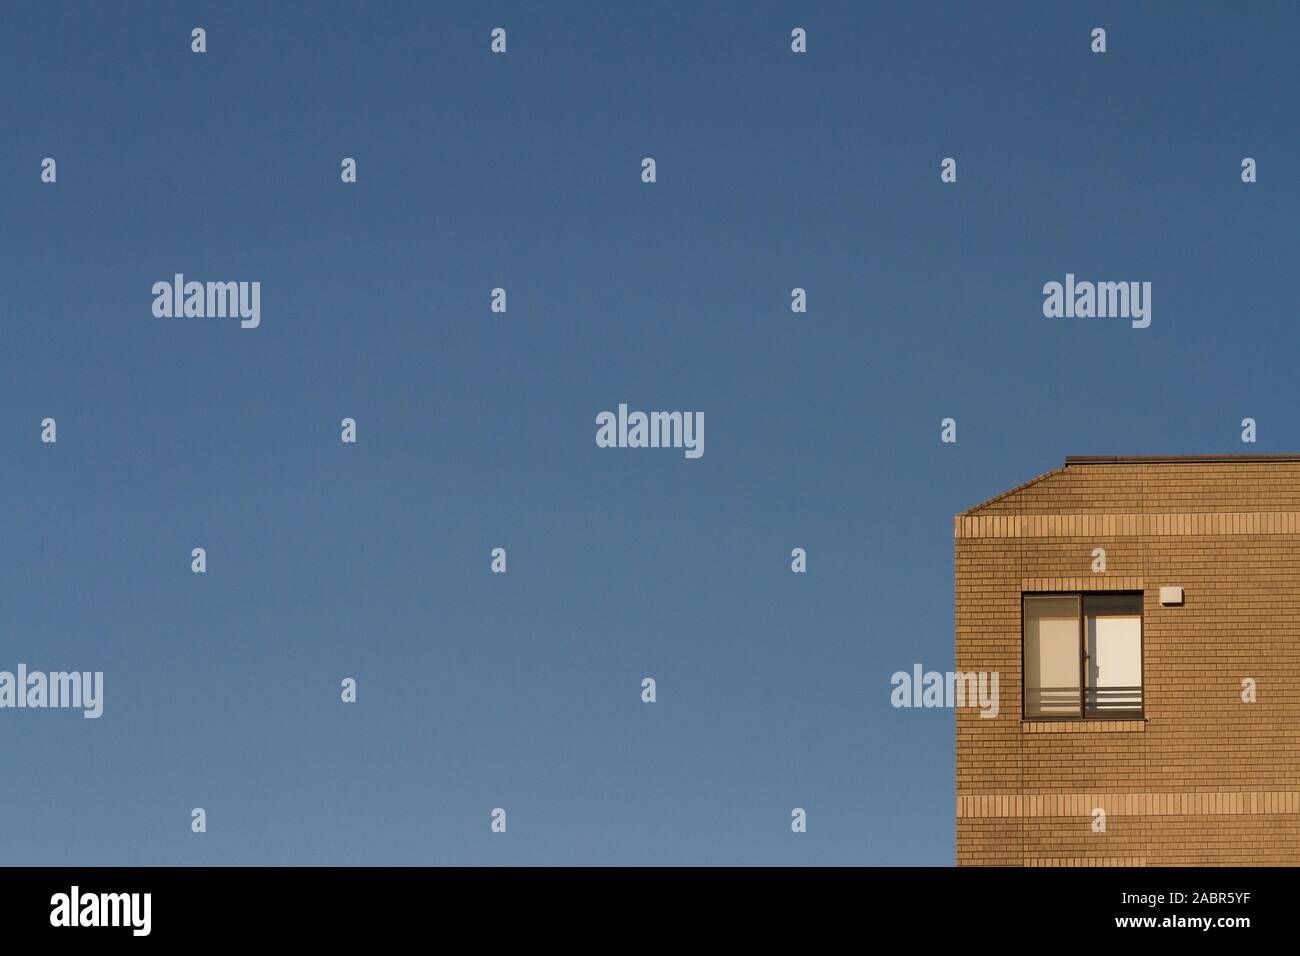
[(1170, 596)]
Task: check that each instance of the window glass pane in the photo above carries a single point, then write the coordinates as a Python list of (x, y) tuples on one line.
[(1113, 628), (1051, 657)]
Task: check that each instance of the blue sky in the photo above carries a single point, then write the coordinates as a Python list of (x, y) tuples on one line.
[(476, 430)]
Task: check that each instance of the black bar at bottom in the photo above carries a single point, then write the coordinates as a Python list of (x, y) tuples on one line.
[(342, 905)]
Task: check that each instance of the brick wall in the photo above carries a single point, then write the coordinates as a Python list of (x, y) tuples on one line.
[(1205, 778)]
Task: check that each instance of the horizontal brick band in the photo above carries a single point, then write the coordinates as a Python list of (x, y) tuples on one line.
[(1116, 525), (1086, 861), (1128, 804), (1095, 582), (1083, 726)]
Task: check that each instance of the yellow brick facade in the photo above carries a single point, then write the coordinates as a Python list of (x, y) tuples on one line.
[(1205, 778)]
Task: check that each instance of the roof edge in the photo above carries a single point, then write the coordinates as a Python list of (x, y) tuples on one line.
[(1071, 460), (1170, 459), (1018, 488)]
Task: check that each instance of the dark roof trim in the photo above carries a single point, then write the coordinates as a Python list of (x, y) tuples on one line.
[(1158, 459)]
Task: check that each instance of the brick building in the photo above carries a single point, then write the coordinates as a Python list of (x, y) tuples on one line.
[(1119, 693)]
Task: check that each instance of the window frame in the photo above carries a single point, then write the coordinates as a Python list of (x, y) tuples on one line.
[(1140, 714)]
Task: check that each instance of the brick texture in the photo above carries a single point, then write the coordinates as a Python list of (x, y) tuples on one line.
[(1205, 779)]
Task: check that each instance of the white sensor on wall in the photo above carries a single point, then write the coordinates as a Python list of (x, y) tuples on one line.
[(1169, 596)]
